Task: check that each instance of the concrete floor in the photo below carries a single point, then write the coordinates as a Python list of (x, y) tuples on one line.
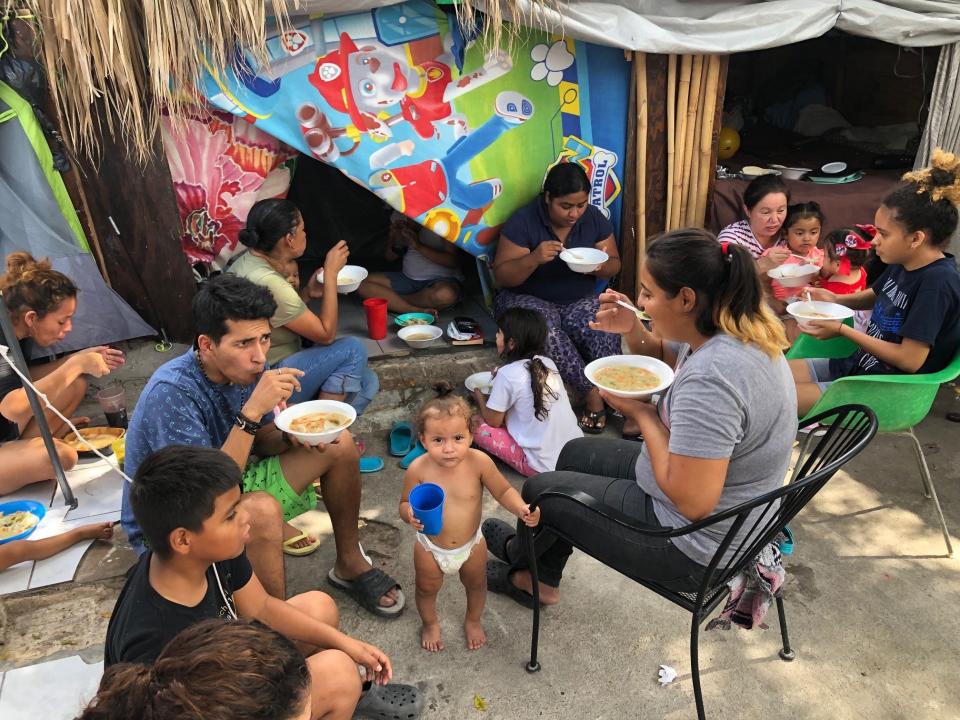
[(871, 602)]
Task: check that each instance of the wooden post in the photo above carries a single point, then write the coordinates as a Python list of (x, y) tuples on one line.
[(657, 166), (671, 131), (626, 281), (641, 71), (710, 119), (693, 107), (683, 99), (724, 61)]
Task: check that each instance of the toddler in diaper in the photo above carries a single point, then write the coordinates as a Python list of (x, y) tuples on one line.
[(443, 425)]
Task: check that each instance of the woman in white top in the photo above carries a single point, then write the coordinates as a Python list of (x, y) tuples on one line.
[(765, 203), (528, 396)]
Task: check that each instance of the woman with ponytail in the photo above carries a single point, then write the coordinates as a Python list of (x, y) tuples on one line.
[(214, 670), (915, 324), (334, 369), (41, 302), (527, 397), (719, 436)]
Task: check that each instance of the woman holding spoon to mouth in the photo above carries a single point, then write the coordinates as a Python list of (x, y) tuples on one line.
[(531, 274)]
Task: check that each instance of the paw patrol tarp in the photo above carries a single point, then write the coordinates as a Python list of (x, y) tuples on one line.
[(458, 148)]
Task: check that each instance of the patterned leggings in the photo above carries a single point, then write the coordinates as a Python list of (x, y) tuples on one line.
[(570, 343), (500, 443)]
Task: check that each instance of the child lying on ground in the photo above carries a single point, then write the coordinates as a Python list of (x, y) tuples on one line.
[(443, 425), (528, 397), (20, 550)]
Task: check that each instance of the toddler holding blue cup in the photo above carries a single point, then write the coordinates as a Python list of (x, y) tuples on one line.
[(451, 477)]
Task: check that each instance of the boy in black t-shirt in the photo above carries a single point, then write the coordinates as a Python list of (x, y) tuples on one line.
[(187, 502)]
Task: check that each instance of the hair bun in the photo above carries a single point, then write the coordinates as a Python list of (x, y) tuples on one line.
[(249, 237), (941, 180), (442, 388)]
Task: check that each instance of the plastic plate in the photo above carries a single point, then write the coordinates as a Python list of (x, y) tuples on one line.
[(30, 506)]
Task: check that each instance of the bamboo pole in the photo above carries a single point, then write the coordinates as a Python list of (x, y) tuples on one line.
[(689, 195), (671, 133), (709, 113), (640, 62), (683, 98), (693, 107)]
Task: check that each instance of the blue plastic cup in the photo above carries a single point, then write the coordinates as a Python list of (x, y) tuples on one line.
[(427, 503)]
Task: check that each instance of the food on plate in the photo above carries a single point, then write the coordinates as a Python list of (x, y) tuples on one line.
[(627, 377), (318, 422), (16, 522), (811, 315), (90, 437), (420, 336), (415, 321)]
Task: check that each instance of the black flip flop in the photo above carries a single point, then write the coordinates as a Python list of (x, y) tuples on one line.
[(498, 534), (592, 418), (498, 581)]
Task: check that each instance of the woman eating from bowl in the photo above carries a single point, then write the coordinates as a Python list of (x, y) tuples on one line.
[(915, 324), (719, 436), (765, 203), (531, 274), (333, 369), (41, 302)]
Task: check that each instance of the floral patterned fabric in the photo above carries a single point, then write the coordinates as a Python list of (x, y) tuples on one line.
[(221, 165)]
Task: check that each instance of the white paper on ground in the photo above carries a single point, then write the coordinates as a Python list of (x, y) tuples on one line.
[(666, 675), (55, 690)]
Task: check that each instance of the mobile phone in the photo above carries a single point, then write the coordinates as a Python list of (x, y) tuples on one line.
[(466, 325)]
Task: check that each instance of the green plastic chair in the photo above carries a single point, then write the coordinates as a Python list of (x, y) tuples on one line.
[(899, 401), (807, 346)]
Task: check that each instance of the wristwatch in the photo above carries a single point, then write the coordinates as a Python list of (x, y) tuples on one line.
[(249, 426)]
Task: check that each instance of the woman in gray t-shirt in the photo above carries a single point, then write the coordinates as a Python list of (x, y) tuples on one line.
[(720, 435)]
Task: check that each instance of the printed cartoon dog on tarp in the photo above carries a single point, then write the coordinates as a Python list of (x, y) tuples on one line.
[(378, 88)]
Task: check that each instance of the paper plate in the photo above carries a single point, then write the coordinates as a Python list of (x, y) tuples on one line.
[(482, 381)]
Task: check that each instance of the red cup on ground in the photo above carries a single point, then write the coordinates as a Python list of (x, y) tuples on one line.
[(376, 310)]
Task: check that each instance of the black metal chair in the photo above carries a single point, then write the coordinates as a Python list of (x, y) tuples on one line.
[(848, 431)]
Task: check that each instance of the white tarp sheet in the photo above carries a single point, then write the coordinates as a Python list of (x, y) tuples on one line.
[(721, 26)]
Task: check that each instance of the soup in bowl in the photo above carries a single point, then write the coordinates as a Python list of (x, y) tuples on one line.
[(804, 311), (316, 421), (630, 376)]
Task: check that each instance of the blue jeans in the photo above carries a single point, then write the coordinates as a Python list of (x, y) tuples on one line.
[(337, 368)]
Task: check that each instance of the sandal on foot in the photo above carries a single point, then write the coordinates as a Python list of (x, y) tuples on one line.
[(498, 535), (390, 702), (589, 421), (290, 549), (368, 588), (498, 581)]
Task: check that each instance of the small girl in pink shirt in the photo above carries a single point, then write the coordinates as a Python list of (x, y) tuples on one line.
[(802, 226)]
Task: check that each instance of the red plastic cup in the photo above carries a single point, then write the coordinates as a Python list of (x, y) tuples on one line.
[(376, 310)]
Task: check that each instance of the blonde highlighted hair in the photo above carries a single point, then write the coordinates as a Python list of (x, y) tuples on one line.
[(927, 200), (724, 278)]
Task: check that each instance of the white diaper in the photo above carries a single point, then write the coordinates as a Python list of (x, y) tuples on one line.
[(450, 561)]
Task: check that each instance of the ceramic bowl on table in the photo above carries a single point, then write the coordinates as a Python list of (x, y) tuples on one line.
[(806, 310), (663, 372), (419, 336), (584, 260), (348, 279), (792, 173), (793, 275), (286, 419)]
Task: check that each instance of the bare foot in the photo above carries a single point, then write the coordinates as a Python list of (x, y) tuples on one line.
[(548, 595), (476, 637), (430, 637), (96, 531)]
